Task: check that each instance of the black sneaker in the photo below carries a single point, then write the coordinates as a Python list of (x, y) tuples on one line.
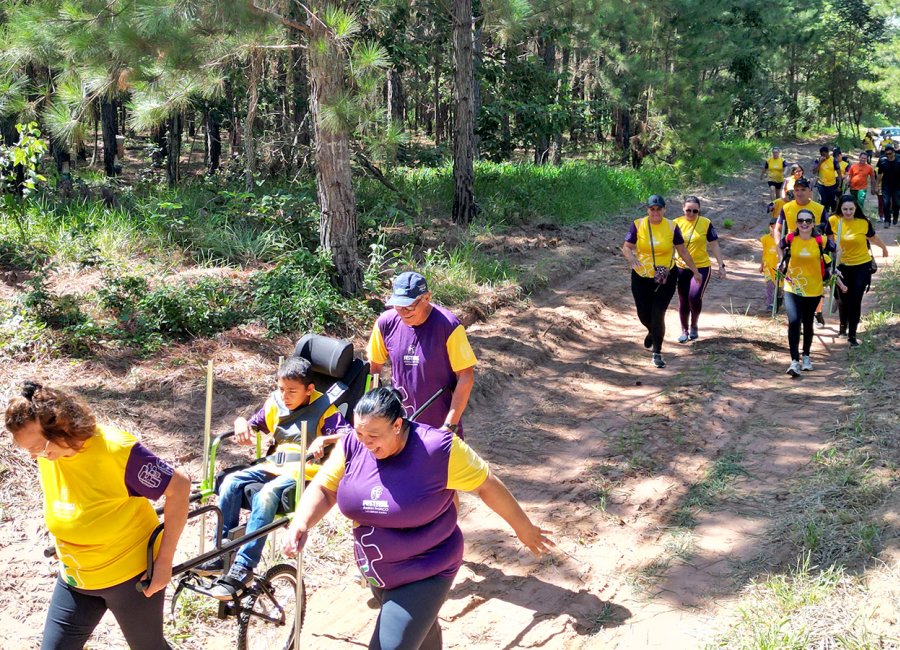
[(887, 224), (853, 343), (211, 567), (820, 319), (842, 331), (233, 584), (648, 341), (658, 360)]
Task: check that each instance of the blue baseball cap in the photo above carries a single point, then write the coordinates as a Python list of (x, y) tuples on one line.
[(407, 287), (656, 200)]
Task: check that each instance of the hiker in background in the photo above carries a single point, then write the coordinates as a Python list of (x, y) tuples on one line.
[(649, 249), (769, 263), (828, 178), (860, 175), (699, 233), (853, 234), (773, 172), (796, 174), (888, 185), (868, 145)]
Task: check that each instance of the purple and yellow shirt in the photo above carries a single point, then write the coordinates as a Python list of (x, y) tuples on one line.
[(402, 507), (423, 359)]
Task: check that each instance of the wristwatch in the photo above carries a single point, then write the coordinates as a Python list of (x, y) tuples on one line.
[(451, 427)]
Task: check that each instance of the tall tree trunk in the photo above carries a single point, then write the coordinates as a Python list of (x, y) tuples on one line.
[(173, 154), (436, 97), (213, 141), (478, 44), (464, 207), (395, 100), (108, 124), (337, 201), (547, 51), (256, 62), (60, 153), (557, 144)]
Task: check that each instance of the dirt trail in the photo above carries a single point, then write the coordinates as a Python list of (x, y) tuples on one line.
[(607, 451), (617, 457)]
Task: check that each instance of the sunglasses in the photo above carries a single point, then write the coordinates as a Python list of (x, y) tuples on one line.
[(411, 307), (691, 211), (806, 221)]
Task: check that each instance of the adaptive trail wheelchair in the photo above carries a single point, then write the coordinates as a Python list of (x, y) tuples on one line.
[(267, 608)]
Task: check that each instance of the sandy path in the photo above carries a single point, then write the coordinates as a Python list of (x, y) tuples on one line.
[(604, 449)]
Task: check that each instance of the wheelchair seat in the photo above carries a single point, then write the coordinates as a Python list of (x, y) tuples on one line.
[(340, 378)]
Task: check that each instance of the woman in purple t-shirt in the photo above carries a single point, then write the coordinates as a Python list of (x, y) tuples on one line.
[(396, 480)]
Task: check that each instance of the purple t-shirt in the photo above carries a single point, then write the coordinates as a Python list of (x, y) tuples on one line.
[(420, 364), (146, 474), (406, 519)]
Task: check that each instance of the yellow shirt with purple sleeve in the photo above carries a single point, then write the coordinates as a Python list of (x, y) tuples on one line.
[(96, 507), (769, 256), (404, 519), (828, 171), (274, 411), (852, 237), (804, 272), (654, 245), (696, 234), (424, 359)]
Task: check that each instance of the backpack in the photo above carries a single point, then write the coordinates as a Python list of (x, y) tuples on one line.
[(789, 238)]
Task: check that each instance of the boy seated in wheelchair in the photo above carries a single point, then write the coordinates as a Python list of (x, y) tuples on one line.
[(263, 484)]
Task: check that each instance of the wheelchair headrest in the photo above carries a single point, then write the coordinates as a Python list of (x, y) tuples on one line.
[(328, 356)]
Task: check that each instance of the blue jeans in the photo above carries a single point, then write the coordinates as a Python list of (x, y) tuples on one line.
[(263, 507)]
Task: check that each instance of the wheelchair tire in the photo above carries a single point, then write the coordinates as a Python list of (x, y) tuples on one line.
[(273, 596)]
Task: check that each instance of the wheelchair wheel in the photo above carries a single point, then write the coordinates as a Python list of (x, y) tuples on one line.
[(266, 619)]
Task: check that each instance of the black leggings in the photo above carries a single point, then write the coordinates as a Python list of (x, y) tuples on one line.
[(857, 278), (74, 613), (652, 300), (800, 310), (408, 618)]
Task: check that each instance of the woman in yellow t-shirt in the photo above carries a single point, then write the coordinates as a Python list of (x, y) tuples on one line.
[(853, 232), (96, 482), (698, 233), (650, 248), (769, 262), (804, 270), (796, 175)]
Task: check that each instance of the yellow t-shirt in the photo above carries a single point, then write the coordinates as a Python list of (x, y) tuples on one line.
[(101, 531), (291, 447), (775, 169), (777, 205), (843, 165), (791, 209), (827, 172), (804, 273), (694, 233), (466, 470), (887, 141), (663, 248), (851, 236), (769, 256), (868, 143)]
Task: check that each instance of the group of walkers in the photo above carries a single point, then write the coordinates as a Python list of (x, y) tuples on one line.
[(812, 249), (394, 477)]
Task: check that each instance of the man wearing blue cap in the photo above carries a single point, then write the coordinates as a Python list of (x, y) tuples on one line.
[(428, 350)]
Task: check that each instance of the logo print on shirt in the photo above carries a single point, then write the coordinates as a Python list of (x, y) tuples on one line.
[(151, 474), (375, 505), (408, 407), (411, 358)]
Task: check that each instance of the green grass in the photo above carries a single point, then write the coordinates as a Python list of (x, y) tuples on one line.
[(716, 485)]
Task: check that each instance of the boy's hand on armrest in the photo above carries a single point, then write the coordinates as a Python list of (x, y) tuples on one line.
[(242, 433)]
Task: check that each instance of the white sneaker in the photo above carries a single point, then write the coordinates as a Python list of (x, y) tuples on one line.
[(807, 364), (794, 369)]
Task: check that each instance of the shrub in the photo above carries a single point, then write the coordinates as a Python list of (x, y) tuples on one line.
[(297, 295), (185, 310)]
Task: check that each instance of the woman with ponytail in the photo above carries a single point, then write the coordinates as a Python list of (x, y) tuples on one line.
[(396, 480), (98, 482)]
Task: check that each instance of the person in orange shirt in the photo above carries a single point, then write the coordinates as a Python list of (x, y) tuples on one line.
[(862, 177)]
